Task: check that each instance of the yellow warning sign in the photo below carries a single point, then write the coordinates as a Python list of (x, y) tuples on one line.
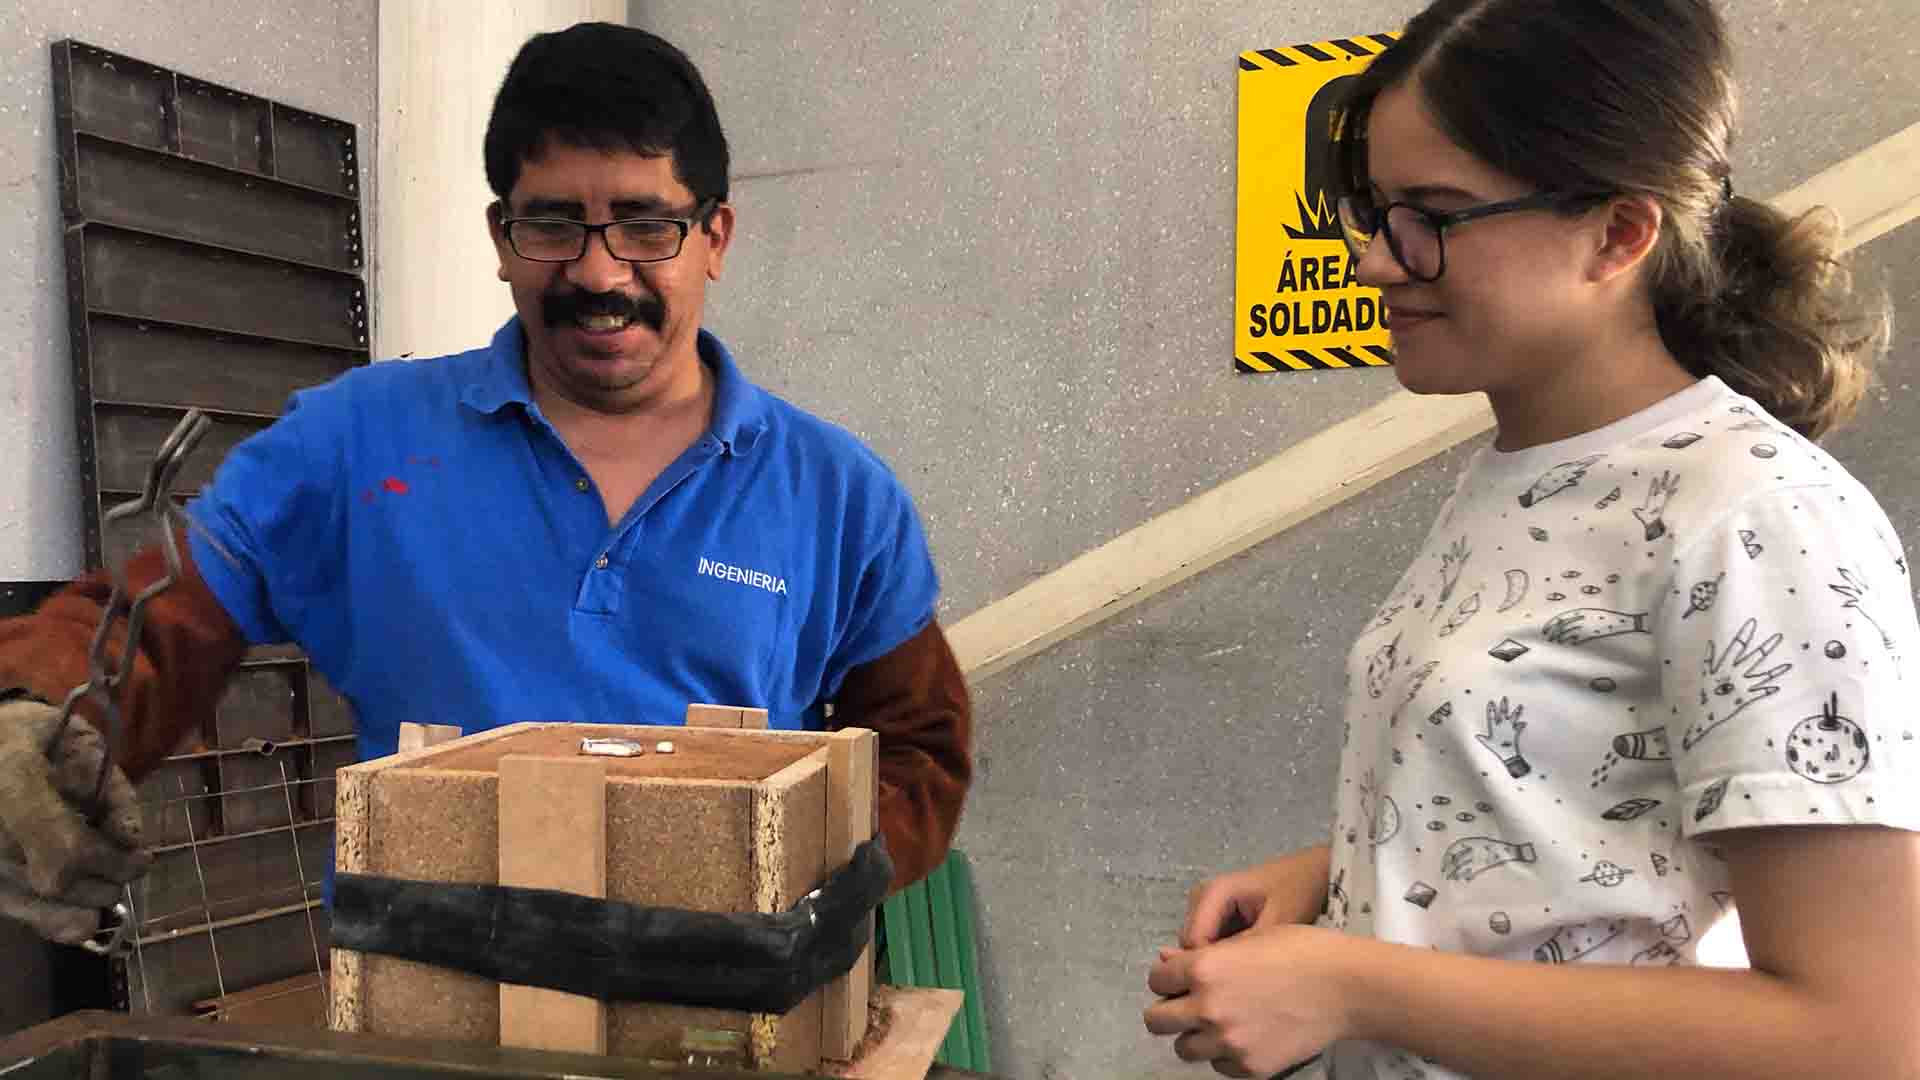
[(1297, 306)]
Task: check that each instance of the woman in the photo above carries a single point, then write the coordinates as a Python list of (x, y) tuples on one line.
[(1659, 654)]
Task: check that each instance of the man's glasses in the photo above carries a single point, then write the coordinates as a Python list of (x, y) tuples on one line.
[(640, 240)]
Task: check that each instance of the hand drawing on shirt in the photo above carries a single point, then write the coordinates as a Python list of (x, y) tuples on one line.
[(1574, 942), (1558, 479), (1381, 667), (1652, 513), (1700, 598), (1581, 625), (1721, 694), (1467, 859), (1414, 684), (1502, 737), (1517, 585), (1462, 615), (1857, 591), (1453, 563), (1828, 748)]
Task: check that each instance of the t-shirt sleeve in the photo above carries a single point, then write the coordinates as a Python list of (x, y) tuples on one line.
[(894, 595), (1791, 661), (261, 529)]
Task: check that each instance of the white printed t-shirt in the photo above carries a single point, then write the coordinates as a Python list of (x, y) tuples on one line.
[(1609, 648)]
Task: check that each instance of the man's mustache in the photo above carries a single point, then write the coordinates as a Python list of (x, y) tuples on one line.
[(568, 307)]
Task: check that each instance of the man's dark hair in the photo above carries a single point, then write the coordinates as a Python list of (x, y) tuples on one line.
[(600, 86)]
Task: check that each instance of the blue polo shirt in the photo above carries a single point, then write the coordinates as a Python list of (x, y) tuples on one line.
[(422, 532)]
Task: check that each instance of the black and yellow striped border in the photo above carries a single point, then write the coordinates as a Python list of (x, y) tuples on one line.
[(1354, 48), (1332, 359)]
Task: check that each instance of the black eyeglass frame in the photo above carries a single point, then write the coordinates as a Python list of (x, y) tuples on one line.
[(701, 211), (1441, 221)]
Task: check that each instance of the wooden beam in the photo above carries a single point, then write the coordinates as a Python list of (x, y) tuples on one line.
[(1873, 192), (726, 716), (852, 758), (553, 835)]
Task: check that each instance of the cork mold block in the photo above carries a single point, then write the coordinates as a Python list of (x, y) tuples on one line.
[(733, 820)]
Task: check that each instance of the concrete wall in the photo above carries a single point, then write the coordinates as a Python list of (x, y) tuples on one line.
[(997, 240), (316, 54), (441, 61)]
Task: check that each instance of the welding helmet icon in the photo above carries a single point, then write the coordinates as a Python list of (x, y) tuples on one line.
[(1320, 182)]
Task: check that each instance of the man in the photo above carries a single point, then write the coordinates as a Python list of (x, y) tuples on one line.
[(596, 517)]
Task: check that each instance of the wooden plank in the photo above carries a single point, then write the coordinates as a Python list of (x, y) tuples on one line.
[(1873, 192), (727, 716), (789, 830), (553, 835), (421, 736), (852, 761), (917, 1021), (1321, 472)]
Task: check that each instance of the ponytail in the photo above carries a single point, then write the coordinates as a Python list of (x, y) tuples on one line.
[(1771, 311)]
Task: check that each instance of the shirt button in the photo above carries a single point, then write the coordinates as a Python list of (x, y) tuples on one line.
[(580, 484), (600, 563)]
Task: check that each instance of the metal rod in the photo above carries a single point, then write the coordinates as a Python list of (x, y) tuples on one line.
[(206, 901), (300, 869), (139, 956), (215, 841), (248, 919)]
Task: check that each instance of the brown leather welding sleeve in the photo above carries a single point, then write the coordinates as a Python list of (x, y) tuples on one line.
[(189, 648), (915, 699)]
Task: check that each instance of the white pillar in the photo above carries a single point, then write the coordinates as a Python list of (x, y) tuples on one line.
[(433, 284)]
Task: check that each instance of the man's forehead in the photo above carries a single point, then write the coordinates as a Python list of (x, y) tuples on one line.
[(588, 176)]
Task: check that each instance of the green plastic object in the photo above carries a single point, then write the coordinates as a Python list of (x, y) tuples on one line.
[(957, 1049), (929, 942), (973, 1012)]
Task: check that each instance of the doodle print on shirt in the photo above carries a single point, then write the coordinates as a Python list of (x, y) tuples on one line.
[(1652, 512), (1711, 798), (1828, 748), (1467, 859), (1381, 812), (1558, 479), (1700, 598), (1462, 615), (1581, 625), (1608, 499), (1502, 737), (1676, 932), (1857, 592), (1453, 563), (1750, 540), (1649, 744), (1381, 668), (1721, 693), (1607, 874), (1414, 684), (1573, 942), (1517, 585)]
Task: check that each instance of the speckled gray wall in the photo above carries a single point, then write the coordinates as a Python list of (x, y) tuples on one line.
[(996, 239), (315, 54)]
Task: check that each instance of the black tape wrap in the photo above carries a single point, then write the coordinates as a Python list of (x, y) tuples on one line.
[(616, 951)]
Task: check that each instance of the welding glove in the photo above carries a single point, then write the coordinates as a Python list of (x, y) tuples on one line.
[(56, 869)]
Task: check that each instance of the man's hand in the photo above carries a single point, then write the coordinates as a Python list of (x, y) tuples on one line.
[(1255, 1004), (1290, 889), (56, 870)]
